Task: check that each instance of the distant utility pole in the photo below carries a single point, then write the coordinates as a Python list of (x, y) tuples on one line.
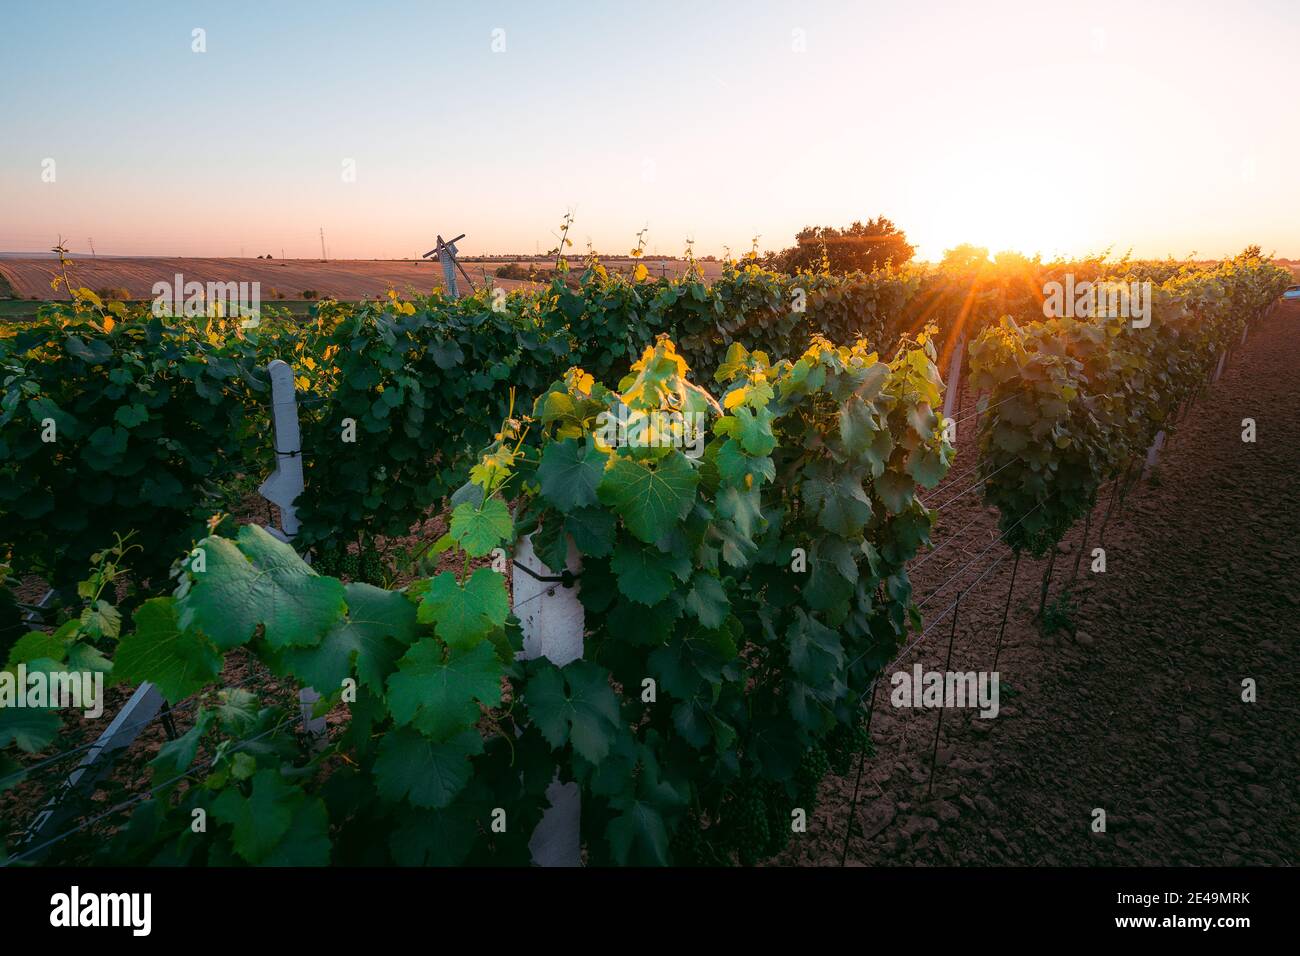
[(324, 258), (92, 248), (282, 252)]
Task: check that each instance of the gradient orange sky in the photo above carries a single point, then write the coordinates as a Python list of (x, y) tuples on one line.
[(1045, 127)]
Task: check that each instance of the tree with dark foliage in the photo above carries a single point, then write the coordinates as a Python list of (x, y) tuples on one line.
[(862, 247)]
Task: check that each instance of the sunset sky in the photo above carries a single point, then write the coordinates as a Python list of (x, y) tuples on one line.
[(1165, 128)]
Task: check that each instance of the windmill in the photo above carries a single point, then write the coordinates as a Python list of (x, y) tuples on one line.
[(445, 252)]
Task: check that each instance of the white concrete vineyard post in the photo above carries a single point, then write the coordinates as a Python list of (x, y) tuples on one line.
[(282, 489), (34, 617), (552, 620), (1154, 451), (1223, 358), (73, 795), (953, 383), (285, 484)]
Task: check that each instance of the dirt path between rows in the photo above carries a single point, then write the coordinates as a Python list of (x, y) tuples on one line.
[(1141, 713)]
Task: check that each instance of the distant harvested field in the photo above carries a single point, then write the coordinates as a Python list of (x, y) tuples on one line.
[(345, 279), (287, 278)]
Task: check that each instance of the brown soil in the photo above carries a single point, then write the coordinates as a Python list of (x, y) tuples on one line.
[(1140, 711)]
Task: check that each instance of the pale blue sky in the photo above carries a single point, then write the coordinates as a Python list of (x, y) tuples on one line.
[(1165, 127)]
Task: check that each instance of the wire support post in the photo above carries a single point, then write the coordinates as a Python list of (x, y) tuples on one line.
[(1006, 610), (1047, 583), (938, 727), (1083, 546), (857, 783)]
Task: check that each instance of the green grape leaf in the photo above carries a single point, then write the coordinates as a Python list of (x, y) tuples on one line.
[(101, 619), (32, 729), (895, 491), (307, 841), (877, 453), (378, 625), (691, 720), (446, 355), (440, 698), (260, 581), (638, 836), (842, 504), (465, 615), (1009, 439), (479, 530), (435, 837), (260, 819), (816, 654), (752, 429), (735, 466), (707, 600), (592, 530), (236, 711), (636, 624), (857, 426), (176, 756), (178, 662), (410, 766), (650, 498), (549, 541), (927, 466), (922, 420), (35, 645), (828, 588), (128, 416), (87, 657), (685, 664), (569, 475), (95, 352), (574, 704), (243, 766), (744, 509), (645, 573), (559, 407)]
